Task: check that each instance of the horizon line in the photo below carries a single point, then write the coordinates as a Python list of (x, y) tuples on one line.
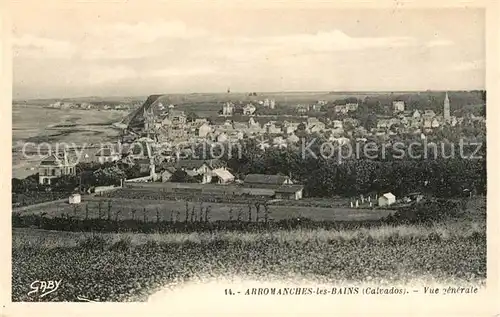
[(258, 92)]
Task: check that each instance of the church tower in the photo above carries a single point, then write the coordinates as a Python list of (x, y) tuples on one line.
[(446, 110)]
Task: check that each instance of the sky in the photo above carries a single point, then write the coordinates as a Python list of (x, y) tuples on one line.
[(90, 49)]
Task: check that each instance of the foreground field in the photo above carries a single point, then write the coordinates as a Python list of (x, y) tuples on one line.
[(131, 267), (218, 211)]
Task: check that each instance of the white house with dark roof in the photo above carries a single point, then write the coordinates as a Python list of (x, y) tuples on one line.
[(264, 180), (55, 166), (210, 171), (291, 192), (279, 186), (386, 199)]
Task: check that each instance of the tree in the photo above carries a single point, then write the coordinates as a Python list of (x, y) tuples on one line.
[(181, 176), (109, 176), (65, 183)]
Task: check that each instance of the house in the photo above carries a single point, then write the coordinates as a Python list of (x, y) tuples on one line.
[(271, 128), (200, 121), (337, 124), (338, 140), (204, 130), (386, 199), (269, 103), (429, 114), (210, 171), (263, 145), (238, 126), (292, 138), (227, 109), (266, 181), (303, 108), (262, 192), (106, 155), (320, 126), (279, 142), (75, 199), (223, 176), (383, 124), (314, 125), (249, 109), (416, 114), (351, 122), (316, 107), (398, 106), (223, 137), (290, 192), (166, 176), (352, 106), (175, 118), (53, 167), (435, 123), (144, 164), (341, 109), (414, 197)]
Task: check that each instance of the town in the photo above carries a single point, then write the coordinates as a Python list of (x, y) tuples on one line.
[(165, 150), (209, 156)]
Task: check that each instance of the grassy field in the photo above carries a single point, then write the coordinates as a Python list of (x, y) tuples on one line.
[(219, 211), (132, 267)]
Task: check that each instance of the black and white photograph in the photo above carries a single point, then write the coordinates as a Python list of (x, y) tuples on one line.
[(339, 151)]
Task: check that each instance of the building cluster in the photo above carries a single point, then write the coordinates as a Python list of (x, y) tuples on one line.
[(89, 106), (165, 127), (190, 171), (166, 124), (417, 122)]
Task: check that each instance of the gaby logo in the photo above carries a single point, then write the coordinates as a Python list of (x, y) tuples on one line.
[(44, 287)]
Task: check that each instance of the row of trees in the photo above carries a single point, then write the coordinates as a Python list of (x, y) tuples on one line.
[(255, 210), (432, 168), (324, 177)]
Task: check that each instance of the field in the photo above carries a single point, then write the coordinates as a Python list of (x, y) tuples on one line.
[(218, 211), (132, 267), (135, 266)]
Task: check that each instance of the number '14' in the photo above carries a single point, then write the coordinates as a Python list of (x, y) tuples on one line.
[(228, 291)]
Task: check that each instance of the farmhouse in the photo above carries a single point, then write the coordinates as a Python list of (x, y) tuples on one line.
[(291, 192), (266, 181), (211, 171), (75, 199), (386, 199)]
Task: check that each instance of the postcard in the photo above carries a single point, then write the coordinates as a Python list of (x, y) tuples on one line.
[(267, 158)]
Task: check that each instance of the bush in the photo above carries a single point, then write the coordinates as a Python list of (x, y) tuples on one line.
[(428, 211)]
